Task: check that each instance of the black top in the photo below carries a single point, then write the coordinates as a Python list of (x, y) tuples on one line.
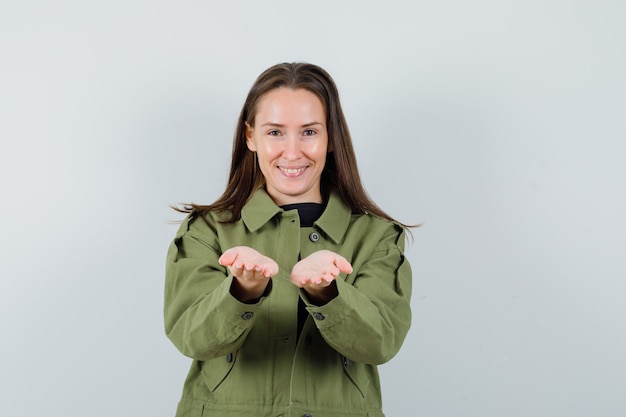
[(309, 213)]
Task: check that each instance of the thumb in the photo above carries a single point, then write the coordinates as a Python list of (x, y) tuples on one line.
[(228, 257), (343, 265)]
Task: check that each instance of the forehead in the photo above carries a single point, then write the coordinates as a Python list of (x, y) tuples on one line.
[(290, 104)]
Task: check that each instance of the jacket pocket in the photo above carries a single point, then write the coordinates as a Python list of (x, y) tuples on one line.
[(215, 371), (357, 374)]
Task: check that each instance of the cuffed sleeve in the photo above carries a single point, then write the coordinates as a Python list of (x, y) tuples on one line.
[(370, 317), (202, 319)]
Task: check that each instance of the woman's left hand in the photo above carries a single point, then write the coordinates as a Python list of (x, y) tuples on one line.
[(317, 272)]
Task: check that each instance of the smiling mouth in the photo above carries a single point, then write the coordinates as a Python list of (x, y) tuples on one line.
[(292, 172)]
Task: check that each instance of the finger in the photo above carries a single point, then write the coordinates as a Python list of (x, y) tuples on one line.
[(343, 265), (331, 275), (318, 283), (298, 283), (236, 272), (256, 272), (270, 270), (228, 257), (249, 272)]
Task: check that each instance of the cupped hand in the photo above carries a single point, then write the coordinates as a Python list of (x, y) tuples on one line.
[(252, 271), (316, 272), (248, 264)]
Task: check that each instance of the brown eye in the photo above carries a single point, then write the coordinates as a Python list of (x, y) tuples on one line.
[(309, 132)]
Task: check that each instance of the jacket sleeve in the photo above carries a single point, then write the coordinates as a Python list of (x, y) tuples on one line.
[(202, 318), (368, 321)]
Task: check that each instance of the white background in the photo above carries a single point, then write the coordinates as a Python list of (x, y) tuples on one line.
[(498, 124)]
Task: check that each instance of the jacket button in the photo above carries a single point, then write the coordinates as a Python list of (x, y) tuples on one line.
[(314, 237), (229, 358), (318, 316), (307, 415), (247, 315)]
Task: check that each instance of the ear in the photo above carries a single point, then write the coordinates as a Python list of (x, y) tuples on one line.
[(249, 139)]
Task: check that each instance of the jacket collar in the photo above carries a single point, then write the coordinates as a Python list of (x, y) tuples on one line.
[(334, 221), (259, 210)]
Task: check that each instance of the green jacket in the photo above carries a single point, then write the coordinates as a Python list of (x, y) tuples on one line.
[(247, 361)]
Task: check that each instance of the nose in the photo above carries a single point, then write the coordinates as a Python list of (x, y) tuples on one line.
[(292, 149)]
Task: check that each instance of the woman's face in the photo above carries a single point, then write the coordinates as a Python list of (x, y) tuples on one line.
[(291, 142)]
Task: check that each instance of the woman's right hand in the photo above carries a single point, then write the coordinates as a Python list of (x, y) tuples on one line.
[(251, 270)]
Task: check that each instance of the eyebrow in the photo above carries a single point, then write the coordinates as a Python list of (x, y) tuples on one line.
[(270, 124)]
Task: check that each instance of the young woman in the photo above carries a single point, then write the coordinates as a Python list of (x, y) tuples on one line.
[(290, 288)]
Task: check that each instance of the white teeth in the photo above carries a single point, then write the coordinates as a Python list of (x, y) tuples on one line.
[(292, 170)]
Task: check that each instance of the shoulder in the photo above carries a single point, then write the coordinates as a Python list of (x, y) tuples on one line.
[(373, 221), (201, 222), (377, 230)]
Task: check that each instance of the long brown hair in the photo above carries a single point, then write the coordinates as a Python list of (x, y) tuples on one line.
[(340, 171)]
